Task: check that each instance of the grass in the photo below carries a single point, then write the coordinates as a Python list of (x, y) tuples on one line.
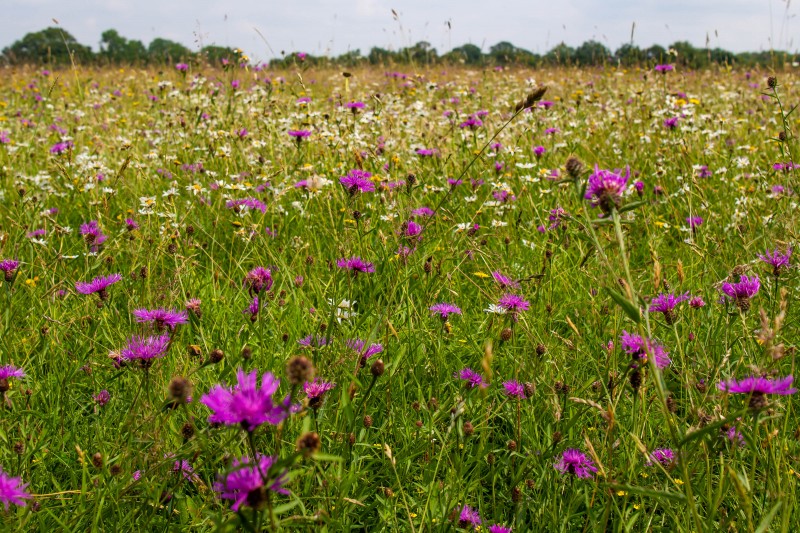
[(405, 450)]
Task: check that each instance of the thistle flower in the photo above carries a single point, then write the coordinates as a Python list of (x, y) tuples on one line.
[(259, 279), (246, 404), (357, 181), (758, 387), (355, 265), (145, 349), (161, 318), (444, 310), (469, 517), (12, 490), (665, 303), (576, 463), (472, 378), (97, 285), (606, 187), (742, 291), (514, 388), (247, 484), (779, 261), (639, 348)]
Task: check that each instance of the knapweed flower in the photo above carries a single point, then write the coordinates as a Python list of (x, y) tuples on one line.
[(92, 234), (12, 490), (576, 463), (758, 387), (444, 310), (472, 378), (313, 341), (539, 151), (742, 291), (131, 224), (246, 404), (259, 279), (299, 135), (778, 260), (315, 391), (694, 222), (696, 302), (8, 267), (664, 68), (605, 188), (361, 348), (10, 371), (469, 517), (422, 212), (61, 147), (184, 468), (102, 397), (192, 306), (504, 281), (247, 484), (671, 123), (357, 181), (145, 349), (665, 456), (411, 229), (161, 318), (181, 67), (355, 265), (97, 285), (250, 203), (665, 303), (498, 528), (514, 388), (425, 152), (514, 304), (640, 348), (253, 309)]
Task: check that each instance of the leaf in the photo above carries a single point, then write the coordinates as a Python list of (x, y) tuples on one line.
[(280, 509), (767, 520), (631, 206), (709, 428), (630, 309)]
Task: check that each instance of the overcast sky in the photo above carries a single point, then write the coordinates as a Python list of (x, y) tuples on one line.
[(332, 27)]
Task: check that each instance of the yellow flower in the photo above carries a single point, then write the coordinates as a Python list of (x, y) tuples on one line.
[(678, 481), (31, 282), (637, 506), (481, 275), (621, 493)]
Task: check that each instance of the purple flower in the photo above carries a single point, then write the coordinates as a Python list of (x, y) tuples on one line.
[(425, 152), (245, 482), (514, 388), (497, 528), (665, 303), (778, 260), (422, 212), (357, 181), (472, 378), (639, 348), (36, 233), (704, 172), (185, 469), (259, 279), (145, 349), (605, 188), (313, 341), (315, 390), (354, 105), (576, 463), (92, 234), (102, 397), (444, 310), (664, 68), (181, 67), (250, 203), (469, 517), (97, 285), (694, 222), (551, 131), (557, 217), (161, 318), (411, 229), (665, 456), (539, 151), (299, 134), (671, 123), (513, 303), (253, 309), (758, 387), (696, 302), (471, 123), (734, 435), (355, 265), (10, 371), (131, 224), (247, 404), (358, 346), (504, 281), (61, 147), (8, 267), (12, 490), (742, 291)]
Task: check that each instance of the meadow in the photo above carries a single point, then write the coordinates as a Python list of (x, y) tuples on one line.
[(443, 299)]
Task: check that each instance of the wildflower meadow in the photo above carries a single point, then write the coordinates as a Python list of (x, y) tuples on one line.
[(237, 298)]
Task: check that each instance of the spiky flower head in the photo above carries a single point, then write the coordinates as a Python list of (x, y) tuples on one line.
[(12, 490), (247, 483), (605, 188), (576, 463)]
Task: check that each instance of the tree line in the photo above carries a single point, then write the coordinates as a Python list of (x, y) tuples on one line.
[(54, 46)]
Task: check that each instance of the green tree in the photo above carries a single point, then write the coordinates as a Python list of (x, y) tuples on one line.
[(591, 53), (215, 54), (164, 50), (468, 54), (117, 49), (629, 54), (51, 45), (561, 54), (380, 56)]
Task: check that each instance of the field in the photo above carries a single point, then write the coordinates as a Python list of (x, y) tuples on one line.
[(433, 300)]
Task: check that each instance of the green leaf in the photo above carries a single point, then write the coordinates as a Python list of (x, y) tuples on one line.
[(767, 520), (709, 428), (629, 307), (631, 206)]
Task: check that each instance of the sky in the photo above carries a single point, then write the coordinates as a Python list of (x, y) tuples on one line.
[(264, 28)]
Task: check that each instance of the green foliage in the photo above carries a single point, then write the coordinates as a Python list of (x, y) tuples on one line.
[(48, 46)]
